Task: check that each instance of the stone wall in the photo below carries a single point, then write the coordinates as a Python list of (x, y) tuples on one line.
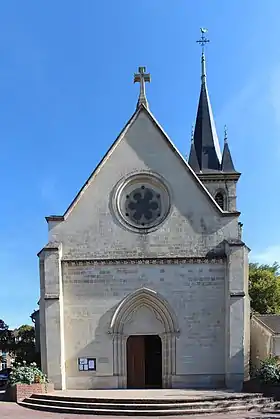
[(19, 392), (227, 187), (194, 291), (78, 301), (194, 226), (261, 342)]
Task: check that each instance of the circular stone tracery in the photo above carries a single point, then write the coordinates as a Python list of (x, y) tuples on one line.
[(142, 201), (143, 205)]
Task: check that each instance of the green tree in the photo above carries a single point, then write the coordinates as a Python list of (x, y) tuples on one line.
[(264, 288), (25, 343), (20, 342), (7, 341)]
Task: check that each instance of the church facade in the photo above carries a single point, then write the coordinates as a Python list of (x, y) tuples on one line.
[(144, 280)]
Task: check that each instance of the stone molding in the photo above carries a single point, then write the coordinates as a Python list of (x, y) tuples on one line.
[(220, 176), (144, 296), (142, 261), (126, 185), (164, 312)]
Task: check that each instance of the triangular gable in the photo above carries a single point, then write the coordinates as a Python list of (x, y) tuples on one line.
[(170, 144)]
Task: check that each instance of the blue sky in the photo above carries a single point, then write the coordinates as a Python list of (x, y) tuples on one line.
[(66, 90)]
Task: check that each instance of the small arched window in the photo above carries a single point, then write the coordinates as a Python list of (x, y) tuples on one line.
[(219, 198)]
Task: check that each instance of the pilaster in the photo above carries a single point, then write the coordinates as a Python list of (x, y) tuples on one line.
[(51, 307), (237, 315)]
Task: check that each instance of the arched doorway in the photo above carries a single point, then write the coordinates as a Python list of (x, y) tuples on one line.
[(143, 313), (144, 361)]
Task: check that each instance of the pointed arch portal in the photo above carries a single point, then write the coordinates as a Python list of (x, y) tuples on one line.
[(158, 318)]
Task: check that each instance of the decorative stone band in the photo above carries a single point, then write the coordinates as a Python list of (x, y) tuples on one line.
[(149, 261)]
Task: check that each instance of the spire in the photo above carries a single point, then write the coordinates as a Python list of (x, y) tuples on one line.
[(193, 162), (206, 141), (142, 77), (227, 163), (203, 69), (202, 42)]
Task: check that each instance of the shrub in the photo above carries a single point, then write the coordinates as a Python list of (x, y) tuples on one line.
[(26, 374), (269, 371)]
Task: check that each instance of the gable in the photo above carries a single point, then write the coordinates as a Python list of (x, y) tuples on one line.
[(142, 147), (139, 114)]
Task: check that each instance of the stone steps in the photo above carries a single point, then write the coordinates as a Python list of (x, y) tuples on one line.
[(147, 407), (137, 398)]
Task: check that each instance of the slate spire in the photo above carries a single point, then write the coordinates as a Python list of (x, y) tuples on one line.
[(227, 163), (193, 162), (206, 143)]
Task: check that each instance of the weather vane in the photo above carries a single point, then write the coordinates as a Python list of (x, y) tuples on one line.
[(203, 40), (225, 133)]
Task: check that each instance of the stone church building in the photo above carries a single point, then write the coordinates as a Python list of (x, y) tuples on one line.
[(144, 280)]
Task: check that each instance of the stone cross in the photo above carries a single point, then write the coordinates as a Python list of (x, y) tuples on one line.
[(142, 77)]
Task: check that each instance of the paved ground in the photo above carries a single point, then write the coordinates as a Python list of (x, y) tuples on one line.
[(13, 411), (171, 394)]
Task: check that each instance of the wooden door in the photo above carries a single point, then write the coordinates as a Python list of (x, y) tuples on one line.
[(135, 362)]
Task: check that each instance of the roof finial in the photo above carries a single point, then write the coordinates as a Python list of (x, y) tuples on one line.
[(203, 41), (225, 134), (142, 77), (192, 134)]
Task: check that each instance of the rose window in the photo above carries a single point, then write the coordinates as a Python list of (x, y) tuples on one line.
[(143, 206), (141, 202)]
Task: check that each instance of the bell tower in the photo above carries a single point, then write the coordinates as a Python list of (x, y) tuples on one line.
[(215, 169)]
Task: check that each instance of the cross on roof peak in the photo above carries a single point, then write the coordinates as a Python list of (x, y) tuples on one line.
[(202, 41), (142, 77)]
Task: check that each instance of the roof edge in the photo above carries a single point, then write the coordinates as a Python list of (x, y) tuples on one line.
[(254, 316), (51, 247), (195, 176), (141, 108), (103, 160)]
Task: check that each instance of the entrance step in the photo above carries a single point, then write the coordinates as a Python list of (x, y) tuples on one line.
[(148, 407)]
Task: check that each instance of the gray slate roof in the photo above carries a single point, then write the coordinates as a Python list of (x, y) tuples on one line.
[(227, 163), (203, 135), (193, 162), (270, 320), (205, 155)]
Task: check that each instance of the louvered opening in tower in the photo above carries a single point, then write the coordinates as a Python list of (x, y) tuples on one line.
[(219, 198)]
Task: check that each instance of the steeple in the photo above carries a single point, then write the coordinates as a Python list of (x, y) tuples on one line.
[(206, 143), (227, 163)]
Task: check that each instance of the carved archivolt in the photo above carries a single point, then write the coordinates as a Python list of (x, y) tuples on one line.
[(163, 312), (150, 298)]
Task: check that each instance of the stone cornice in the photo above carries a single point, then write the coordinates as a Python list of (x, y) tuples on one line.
[(54, 218), (214, 177), (140, 261), (50, 247)]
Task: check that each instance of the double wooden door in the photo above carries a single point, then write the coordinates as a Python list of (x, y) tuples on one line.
[(144, 362)]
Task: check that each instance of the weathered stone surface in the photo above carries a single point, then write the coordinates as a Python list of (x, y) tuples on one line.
[(185, 270)]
